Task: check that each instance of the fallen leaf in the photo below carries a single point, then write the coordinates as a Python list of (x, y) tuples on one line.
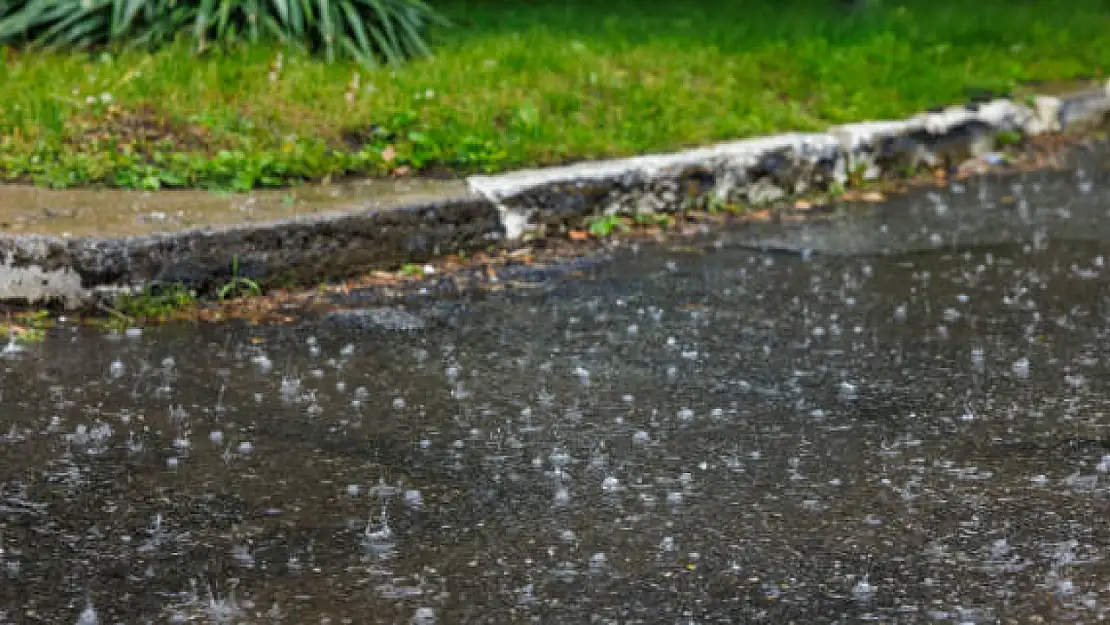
[(872, 196), (760, 215), (578, 235), (389, 153), (802, 205), (402, 171)]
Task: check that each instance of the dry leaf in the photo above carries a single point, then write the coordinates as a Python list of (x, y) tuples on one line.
[(389, 153), (578, 235), (402, 171), (802, 205), (872, 196)]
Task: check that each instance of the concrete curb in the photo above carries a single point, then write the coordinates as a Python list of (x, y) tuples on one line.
[(511, 207)]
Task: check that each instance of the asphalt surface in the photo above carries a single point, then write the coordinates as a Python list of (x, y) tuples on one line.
[(898, 416)]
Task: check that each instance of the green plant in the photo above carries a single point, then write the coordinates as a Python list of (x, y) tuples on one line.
[(154, 303), (238, 285), (365, 30), (28, 327), (605, 225), (1008, 138), (715, 204), (412, 270), (652, 219)]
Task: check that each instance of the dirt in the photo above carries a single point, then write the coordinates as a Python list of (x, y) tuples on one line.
[(143, 130)]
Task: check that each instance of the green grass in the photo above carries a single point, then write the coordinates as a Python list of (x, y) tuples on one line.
[(153, 304), (524, 82)]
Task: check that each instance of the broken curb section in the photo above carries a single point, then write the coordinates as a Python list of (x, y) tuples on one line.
[(78, 270)]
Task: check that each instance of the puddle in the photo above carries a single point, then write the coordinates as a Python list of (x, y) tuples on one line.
[(98, 212)]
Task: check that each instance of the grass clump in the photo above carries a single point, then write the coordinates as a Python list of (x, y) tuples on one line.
[(155, 304), (517, 84), (27, 327)]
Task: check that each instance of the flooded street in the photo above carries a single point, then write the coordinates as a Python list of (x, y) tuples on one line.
[(900, 417)]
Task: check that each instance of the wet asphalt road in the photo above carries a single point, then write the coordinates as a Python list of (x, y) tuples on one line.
[(899, 417)]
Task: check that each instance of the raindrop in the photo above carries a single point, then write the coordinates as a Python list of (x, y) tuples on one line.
[(848, 392), (977, 357), (88, 615), (290, 387), (264, 364), (424, 616), (414, 499), (863, 590), (562, 496), (1104, 465)]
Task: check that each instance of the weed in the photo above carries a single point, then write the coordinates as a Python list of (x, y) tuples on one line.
[(652, 219), (605, 225), (238, 285), (1008, 138), (155, 303), (28, 327), (412, 270), (714, 204)]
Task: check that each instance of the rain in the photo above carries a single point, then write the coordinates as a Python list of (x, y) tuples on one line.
[(897, 415)]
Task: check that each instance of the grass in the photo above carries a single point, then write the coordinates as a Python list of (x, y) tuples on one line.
[(522, 83), (154, 304)]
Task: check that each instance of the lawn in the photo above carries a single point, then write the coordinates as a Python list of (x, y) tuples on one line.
[(518, 83)]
